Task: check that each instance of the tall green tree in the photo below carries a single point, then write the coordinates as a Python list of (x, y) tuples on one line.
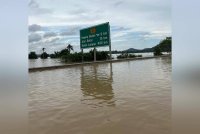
[(165, 45), (43, 52), (43, 49), (157, 51)]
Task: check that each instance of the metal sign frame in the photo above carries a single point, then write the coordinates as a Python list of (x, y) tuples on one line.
[(93, 30), (95, 36)]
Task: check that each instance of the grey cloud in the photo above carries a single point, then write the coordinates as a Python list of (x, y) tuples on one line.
[(50, 46), (50, 34), (37, 10), (70, 31), (33, 4), (34, 38), (34, 28), (53, 40), (118, 3)]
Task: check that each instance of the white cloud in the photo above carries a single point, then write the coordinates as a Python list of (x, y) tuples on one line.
[(138, 14), (35, 9)]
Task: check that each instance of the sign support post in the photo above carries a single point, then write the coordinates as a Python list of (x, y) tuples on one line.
[(94, 54), (110, 52), (110, 44), (82, 54)]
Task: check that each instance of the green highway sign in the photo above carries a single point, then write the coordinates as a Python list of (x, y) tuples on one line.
[(95, 36)]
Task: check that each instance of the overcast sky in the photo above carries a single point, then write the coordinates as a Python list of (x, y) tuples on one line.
[(134, 23)]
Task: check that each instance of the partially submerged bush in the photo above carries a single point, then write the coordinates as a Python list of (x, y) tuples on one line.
[(32, 55), (75, 57), (157, 51), (44, 55), (126, 55), (89, 56)]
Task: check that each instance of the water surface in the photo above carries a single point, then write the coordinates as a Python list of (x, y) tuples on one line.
[(54, 62), (132, 97)]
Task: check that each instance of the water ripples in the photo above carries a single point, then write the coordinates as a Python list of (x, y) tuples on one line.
[(124, 97)]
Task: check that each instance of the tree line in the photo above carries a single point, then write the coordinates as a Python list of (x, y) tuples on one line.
[(45, 55), (66, 55)]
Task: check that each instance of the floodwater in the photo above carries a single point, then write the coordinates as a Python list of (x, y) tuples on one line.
[(54, 62), (44, 62), (131, 97)]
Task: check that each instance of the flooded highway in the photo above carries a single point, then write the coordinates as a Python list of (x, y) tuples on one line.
[(130, 97)]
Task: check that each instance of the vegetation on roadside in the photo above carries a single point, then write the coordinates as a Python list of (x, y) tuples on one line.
[(157, 51), (66, 55), (164, 46), (126, 55), (32, 55), (88, 56), (44, 55), (63, 52)]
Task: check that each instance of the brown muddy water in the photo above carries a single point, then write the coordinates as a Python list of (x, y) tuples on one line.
[(131, 97)]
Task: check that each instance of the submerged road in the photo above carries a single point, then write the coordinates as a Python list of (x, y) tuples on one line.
[(35, 69)]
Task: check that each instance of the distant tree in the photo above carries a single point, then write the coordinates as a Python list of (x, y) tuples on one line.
[(32, 55), (70, 47), (88, 56), (63, 52), (157, 51), (165, 45), (52, 56), (168, 38), (55, 55), (44, 55), (43, 49)]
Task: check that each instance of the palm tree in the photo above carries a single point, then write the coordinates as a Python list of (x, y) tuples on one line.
[(70, 47), (43, 49)]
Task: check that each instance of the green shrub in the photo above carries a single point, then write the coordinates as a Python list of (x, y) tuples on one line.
[(131, 56), (32, 55), (157, 51), (125, 55), (44, 55), (89, 56)]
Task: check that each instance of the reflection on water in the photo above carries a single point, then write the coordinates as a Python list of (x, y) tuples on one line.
[(96, 83), (109, 98), (44, 62)]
